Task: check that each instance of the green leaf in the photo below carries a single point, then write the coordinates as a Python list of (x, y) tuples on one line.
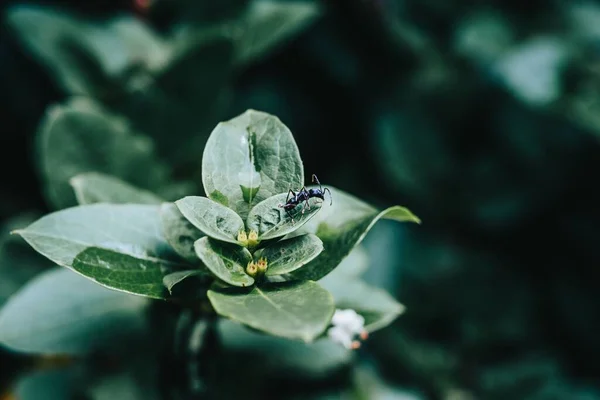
[(341, 227), (295, 310), (179, 232), (81, 137), (215, 220), (352, 266), (272, 221), (227, 261), (269, 24), (18, 261), (125, 42), (58, 41), (250, 158), (48, 384), (376, 305), (94, 187), (288, 255), (61, 312), (278, 357), (183, 99), (84, 57), (116, 245), (121, 271), (177, 277)]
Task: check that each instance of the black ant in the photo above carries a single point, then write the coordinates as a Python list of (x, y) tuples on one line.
[(304, 195)]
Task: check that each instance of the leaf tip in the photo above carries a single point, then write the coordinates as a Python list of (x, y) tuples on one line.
[(75, 181)]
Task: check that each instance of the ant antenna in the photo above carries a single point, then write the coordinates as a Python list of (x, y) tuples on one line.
[(315, 179), (330, 198)]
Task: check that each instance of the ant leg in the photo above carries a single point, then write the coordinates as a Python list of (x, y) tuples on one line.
[(306, 198), (287, 198), (290, 215)]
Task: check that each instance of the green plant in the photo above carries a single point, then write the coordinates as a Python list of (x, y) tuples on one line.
[(235, 252)]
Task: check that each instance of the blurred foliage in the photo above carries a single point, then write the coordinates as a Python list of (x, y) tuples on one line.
[(481, 117)]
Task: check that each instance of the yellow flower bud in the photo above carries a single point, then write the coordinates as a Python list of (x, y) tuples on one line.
[(242, 238), (262, 265), (253, 239), (252, 269)]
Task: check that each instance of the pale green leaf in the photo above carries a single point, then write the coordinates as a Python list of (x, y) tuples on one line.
[(57, 40), (270, 24), (48, 384), (272, 221), (179, 232), (171, 280), (61, 312), (294, 310), (290, 254), (248, 159), (214, 219), (227, 261), (280, 357), (18, 261), (377, 306), (341, 227), (183, 100), (352, 266), (81, 136), (94, 187), (117, 245)]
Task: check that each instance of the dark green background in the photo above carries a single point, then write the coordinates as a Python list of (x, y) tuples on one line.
[(386, 101)]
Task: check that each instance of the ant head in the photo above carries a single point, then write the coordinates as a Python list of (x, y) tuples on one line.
[(316, 193)]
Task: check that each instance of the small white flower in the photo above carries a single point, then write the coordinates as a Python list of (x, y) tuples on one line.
[(349, 320), (341, 336), (346, 325)]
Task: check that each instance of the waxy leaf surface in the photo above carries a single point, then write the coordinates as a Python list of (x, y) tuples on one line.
[(248, 159), (295, 310), (117, 245)]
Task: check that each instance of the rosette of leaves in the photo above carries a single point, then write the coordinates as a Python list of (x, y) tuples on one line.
[(140, 245)]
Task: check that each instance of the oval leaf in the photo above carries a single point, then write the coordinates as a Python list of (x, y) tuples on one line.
[(48, 384), (215, 220), (61, 312), (279, 357), (295, 310), (58, 41), (268, 24), (18, 261), (82, 137), (171, 280), (117, 270), (179, 232), (288, 255), (248, 159), (352, 266), (94, 187), (227, 261), (341, 227), (376, 305), (272, 221), (117, 245), (185, 97)]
